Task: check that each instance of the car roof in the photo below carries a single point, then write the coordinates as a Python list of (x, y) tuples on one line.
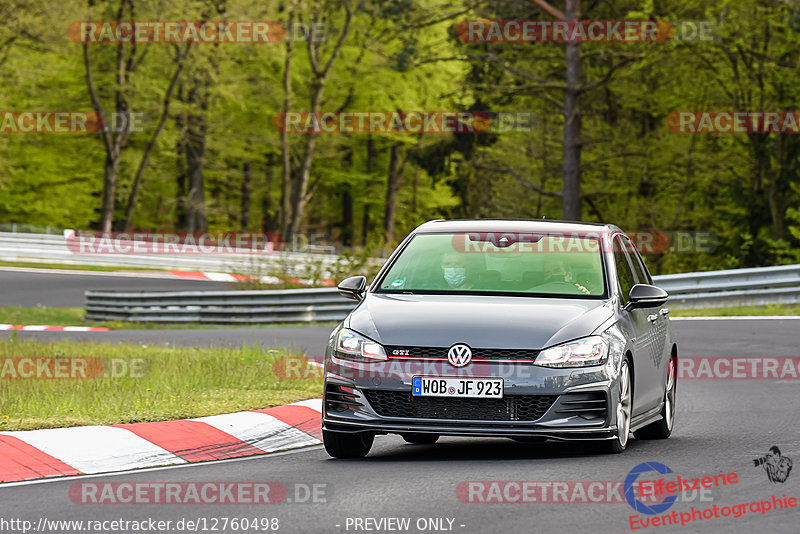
[(511, 225)]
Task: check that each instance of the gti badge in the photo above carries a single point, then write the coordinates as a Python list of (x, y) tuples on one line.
[(459, 355)]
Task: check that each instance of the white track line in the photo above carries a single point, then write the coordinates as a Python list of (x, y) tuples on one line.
[(72, 478)]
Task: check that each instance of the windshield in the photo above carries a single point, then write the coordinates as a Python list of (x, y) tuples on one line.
[(529, 264)]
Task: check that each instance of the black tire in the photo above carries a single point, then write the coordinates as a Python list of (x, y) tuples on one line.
[(417, 438), (624, 406), (662, 429), (347, 445)]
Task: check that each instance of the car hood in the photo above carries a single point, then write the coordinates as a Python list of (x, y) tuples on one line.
[(478, 321)]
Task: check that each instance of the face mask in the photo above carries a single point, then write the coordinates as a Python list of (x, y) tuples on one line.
[(455, 276)]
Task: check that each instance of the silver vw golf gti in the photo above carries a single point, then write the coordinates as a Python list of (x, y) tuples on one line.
[(530, 330)]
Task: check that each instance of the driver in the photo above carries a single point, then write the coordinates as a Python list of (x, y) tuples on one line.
[(455, 271), (556, 271)]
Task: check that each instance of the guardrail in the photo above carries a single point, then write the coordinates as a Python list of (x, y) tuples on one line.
[(734, 287), (219, 307), (53, 249), (738, 287)]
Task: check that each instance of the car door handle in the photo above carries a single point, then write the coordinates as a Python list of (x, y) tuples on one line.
[(652, 317), (664, 311)]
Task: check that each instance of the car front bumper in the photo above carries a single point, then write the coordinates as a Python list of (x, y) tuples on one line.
[(570, 404)]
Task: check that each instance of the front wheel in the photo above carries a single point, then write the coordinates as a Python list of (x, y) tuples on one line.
[(624, 407), (347, 445), (662, 429)]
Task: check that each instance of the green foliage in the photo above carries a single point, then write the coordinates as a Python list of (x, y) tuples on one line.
[(403, 55)]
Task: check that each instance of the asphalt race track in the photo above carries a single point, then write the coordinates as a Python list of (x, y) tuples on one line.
[(30, 288), (721, 427)]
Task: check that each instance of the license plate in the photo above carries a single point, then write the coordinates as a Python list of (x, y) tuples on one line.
[(474, 388)]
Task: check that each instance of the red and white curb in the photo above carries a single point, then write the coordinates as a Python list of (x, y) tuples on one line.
[(31, 454), (48, 328), (214, 277), (227, 277), (169, 275)]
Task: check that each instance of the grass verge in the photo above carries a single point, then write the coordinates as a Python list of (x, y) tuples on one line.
[(158, 383), (42, 315), (770, 309)]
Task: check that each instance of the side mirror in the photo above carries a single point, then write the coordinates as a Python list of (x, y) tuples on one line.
[(646, 296), (353, 288)]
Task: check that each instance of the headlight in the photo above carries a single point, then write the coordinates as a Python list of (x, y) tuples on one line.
[(592, 350), (353, 346)]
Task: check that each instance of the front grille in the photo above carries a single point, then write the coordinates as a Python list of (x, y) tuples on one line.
[(509, 408), (477, 354)]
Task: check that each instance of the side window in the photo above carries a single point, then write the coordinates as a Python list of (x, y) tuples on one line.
[(624, 272), (638, 264)]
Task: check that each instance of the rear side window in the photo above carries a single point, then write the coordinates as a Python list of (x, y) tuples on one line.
[(624, 272)]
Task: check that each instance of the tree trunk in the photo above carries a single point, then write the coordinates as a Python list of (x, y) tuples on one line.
[(195, 144), (196, 212), (300, 188), (109, 191), (268, 220), (545, 163), (571, 201), (245, 195), (195, 152), (285, 212), (113, 141), (137, 182), (319, 73), (182, 179), (346, 225), (366, 221), (392, 186)]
